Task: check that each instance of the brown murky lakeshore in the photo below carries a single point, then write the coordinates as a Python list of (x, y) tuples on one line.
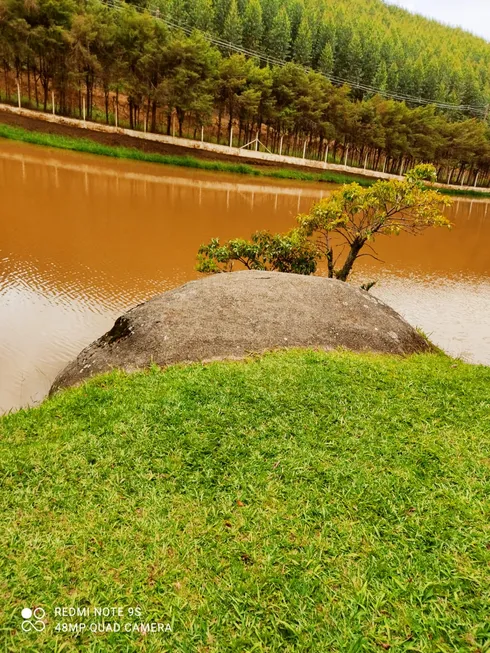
[(83, 238)]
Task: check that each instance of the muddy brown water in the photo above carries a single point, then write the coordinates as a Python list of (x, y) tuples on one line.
[(83, 238)]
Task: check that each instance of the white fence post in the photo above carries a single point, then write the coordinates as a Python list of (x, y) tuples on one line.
[(18, 94), (304, 151)]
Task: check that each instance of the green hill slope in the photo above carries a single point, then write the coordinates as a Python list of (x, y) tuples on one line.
[(364, 41)]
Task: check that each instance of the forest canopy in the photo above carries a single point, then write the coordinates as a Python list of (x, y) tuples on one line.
[(123, 63), (365, 41)]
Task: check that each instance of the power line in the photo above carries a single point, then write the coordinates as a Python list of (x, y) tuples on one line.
[(269, 59)]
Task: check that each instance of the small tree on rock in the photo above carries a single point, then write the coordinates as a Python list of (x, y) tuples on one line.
[(338, 228), (351, 219)]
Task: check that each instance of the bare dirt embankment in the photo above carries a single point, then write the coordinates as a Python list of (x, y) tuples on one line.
[(122, 140)]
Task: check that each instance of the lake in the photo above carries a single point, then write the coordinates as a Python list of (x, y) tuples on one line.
[(84, 238)]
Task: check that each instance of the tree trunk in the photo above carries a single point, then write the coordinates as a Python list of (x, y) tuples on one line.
[(355, 248), (220, 117)]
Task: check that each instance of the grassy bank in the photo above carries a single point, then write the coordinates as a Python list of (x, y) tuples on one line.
[(299, 501), (93, 147)]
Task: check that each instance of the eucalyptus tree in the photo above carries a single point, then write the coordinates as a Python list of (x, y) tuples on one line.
[(233, 27), (253, 26), (279, 37)]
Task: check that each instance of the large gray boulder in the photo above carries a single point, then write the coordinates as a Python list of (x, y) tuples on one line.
[(232, 315)]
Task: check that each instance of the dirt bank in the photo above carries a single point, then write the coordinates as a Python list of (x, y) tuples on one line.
[(122, 140)]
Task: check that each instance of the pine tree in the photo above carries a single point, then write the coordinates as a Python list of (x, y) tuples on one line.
[(380, 80), (280, 35), (233, 28), (296, 13), (355, 60), (393, 78), (201, 14), (221, 11), (270, 9), (177, 12), (303, 44), (326, 61), (253, 27)]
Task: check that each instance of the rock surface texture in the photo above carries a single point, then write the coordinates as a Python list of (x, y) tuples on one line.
[(229, 316)]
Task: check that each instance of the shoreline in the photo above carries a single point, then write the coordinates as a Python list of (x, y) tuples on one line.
[(41, 130)]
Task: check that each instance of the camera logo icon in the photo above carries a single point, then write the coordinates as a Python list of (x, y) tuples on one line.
[(33, 620)]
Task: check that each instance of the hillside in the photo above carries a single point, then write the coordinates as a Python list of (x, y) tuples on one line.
[(108, 61), (362, 41), (300, 501)]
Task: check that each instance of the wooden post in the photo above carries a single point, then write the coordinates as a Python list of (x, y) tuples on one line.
[(173, 125), (366, 162), (18, 94), (202, 133), (401, 167), (476, 180), (280, 145), (304, 151), (326, 155), (53, 103), (231, 136), (257, 142), (116, 107), (84, 109), (384, 165), (346, 155)]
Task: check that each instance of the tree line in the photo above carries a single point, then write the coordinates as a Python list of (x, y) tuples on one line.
[(125, 65)]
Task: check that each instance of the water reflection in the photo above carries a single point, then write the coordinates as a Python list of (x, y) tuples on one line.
[(82, 238)]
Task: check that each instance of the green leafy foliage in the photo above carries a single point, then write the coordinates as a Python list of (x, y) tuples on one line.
[(291, 252)]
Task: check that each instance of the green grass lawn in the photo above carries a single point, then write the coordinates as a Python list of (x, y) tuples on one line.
[(300, 501)]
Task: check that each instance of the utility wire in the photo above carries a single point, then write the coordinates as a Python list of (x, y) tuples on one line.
[(268, 59)]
